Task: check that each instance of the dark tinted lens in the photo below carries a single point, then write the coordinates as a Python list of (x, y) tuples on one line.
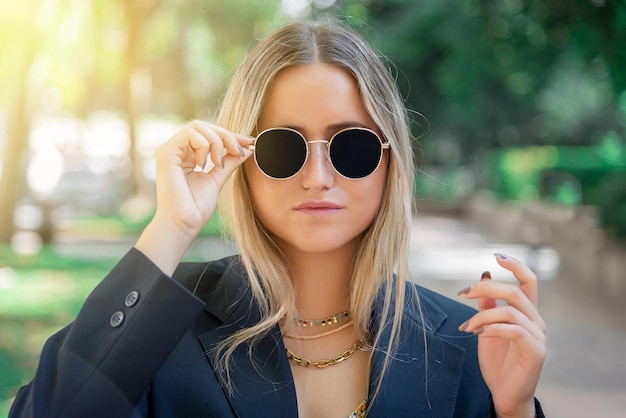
[(355, 153), (280, 153)]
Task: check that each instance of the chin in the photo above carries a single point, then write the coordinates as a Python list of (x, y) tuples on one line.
[(318, 245)]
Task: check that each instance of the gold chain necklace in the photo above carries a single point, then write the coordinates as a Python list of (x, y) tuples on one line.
[(332, 319), (328, 362), (320, 335)]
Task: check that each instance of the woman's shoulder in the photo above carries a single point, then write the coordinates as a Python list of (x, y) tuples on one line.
[(449, 305), (441, 314), (203, 278)]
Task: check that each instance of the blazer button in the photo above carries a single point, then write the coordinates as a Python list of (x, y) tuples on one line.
[(116, 319), (132, 298)]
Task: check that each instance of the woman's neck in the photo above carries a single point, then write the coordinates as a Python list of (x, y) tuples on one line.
[(321, 281)]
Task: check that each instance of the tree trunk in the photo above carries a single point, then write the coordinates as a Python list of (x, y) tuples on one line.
[(17, 130), (136, 90)]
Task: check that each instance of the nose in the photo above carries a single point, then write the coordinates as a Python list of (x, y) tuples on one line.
[(318, 173)]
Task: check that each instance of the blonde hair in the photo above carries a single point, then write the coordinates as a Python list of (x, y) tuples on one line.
[(383, 247)]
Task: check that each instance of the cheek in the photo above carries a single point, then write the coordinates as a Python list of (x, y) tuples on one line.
[(376, 190), (368, 194), (373, 195), (265, 192)]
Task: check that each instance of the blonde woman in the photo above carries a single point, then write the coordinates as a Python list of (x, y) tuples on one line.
[(311, 158)]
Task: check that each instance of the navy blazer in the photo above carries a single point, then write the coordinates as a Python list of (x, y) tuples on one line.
[(141, 347)]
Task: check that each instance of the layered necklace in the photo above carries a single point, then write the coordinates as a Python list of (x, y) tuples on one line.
[(333, 319), (323, 322)]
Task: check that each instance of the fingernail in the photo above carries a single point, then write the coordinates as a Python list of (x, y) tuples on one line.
[(479, 331), (501, 255), (464, 291), (464, 325), (241, 151), (485, 276), (222, 161)]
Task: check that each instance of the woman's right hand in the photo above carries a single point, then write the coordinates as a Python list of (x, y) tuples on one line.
[(187, 197)]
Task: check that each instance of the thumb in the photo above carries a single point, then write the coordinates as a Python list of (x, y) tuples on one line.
[(230, 163), (484, 302)]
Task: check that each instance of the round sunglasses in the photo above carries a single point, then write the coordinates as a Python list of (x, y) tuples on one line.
[(354, 153)]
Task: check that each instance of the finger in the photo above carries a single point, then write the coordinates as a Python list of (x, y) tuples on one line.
[(231, 163), (525, 276), (199, 146), (511, 294), (231, 144), (216, 143), (521, 336), (486, 302), (187, 147), (502, 315), (234, 143)]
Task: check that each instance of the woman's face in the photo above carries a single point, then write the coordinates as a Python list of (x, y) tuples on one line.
[(317, 210)]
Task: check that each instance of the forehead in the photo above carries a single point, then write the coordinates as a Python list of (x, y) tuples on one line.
[(313, 95)]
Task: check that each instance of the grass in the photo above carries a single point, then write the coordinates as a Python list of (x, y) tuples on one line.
[(121, 226), (38, 296)]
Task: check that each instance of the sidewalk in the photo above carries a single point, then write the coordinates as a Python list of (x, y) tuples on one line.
[(585, 370)]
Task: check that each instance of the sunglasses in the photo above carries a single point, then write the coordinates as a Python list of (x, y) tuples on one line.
[(354, 153)]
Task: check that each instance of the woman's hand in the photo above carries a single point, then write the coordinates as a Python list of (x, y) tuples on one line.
[(511, 338), (187, 196)]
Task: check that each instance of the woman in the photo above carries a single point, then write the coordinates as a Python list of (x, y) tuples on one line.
[(311, 157)]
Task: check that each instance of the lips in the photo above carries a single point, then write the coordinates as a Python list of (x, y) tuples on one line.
[(318, 208), (318, 205)]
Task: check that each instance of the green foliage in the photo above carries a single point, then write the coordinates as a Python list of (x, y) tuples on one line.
[(499, 73), (40, 294), (123, 227), (569, 175)]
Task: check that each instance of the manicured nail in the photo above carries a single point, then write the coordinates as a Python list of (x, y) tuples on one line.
[(464, 325), (464, 291), (501, 255), (479, 331), (241, 151), (485, 276)]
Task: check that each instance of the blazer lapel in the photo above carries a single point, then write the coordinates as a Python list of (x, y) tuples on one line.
[(262, 386), (416, 384)]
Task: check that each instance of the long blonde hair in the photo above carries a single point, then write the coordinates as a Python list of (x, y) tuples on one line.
[(383, 247)]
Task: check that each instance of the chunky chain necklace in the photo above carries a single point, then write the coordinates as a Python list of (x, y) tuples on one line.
[(320, 335), (328, 362), (333, 319)]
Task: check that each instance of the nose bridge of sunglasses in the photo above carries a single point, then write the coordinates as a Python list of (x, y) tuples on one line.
[(318, 141), (323, 149)]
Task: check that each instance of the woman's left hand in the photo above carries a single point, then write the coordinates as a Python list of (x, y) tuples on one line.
[(511, 338)]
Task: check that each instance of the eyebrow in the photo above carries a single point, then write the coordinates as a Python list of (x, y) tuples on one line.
[(343, 125), (334, 127)]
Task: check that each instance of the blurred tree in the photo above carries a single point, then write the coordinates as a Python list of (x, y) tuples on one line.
[(20, 44), (76, 57), (136, 80), (506, 72)]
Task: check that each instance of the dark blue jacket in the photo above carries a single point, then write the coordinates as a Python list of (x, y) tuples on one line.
[(141, 347)]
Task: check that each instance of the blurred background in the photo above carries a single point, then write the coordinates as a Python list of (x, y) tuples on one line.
[(519, 107)]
